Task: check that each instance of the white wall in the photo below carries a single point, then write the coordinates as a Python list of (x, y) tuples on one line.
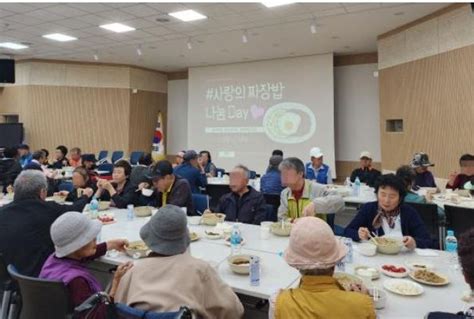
[(177, 116), (356, 107)]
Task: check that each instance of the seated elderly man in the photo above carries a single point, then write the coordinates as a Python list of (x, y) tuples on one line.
[(25, 239), (314, 251), (244, 203), (191, 170), (168, 188), (366, 173), (303, 197), (170, 277), (316, 169)]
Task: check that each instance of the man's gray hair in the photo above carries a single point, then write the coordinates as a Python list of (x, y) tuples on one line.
[(29, 184), (245, 169), (292, 163)]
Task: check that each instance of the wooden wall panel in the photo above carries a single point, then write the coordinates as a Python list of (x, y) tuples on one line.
[(144, 108), (435, 98), (91, 118)]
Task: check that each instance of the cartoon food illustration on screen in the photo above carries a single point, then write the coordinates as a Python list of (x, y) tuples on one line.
[(289, 123)]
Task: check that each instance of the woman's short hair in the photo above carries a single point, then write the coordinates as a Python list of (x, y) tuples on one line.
[(466, 254), (127, 168), (63, 149), (208, 155), (392, 181)]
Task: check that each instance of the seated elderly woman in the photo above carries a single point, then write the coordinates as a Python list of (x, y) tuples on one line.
[(270, 183), (170, 277), (80, 181), (120, 191), (314, 251), (389, 216), (466, 259), (74, 237)]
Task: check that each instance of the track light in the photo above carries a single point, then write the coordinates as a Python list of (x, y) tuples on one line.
[(189, 44), (139, 50), (313, 27), (96, 57), (244, 37)]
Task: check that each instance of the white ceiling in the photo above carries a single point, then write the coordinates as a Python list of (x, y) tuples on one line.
[(276, 32)]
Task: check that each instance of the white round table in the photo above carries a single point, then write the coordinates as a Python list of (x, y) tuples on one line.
[(276, 274)]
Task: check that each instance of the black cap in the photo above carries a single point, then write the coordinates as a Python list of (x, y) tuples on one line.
[(23, 147), (33, 166), (160, 169)]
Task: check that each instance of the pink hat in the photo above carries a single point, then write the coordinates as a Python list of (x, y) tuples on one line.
[(313, 245)]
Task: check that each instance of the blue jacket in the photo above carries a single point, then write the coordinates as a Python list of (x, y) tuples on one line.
[(193, 175), (411, 223), (321, 176), (270, 183), (25, 159), (249, 209)]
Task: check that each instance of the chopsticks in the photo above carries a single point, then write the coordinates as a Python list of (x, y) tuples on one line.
[(373, 237)]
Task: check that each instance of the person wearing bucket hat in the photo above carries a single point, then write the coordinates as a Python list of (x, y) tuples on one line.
[(424, 178), (316, 169), (366, 173), (170, 277), (192, 171), (74, 237), (314, 251)]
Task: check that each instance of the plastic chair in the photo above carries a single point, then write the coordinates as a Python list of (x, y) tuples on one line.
[(134, 157), (107, 167), (102, 155), (10, 291), (429, 215), (66, 186), (200, 202), (41, 298), (116, 156), (459, 219)]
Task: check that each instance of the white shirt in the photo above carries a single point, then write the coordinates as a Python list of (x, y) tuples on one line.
[(396, 231)]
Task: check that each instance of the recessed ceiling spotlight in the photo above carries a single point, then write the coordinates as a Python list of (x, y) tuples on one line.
[(399, 13), (162, 19), (244, 37), (313, 27), (335, 37)]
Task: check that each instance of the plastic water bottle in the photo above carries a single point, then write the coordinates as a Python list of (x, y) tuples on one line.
[(254, 271), (349, 256), (235, 239), (451, 246), (356, 187), (130, 214), (94, 207), (347, 182)]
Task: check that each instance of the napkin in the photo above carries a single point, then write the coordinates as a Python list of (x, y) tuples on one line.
[(426, 252)]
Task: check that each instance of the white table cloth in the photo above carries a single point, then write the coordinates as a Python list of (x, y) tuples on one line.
[(276, 274)]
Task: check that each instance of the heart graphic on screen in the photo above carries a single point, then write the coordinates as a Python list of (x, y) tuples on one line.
[(257, 111)]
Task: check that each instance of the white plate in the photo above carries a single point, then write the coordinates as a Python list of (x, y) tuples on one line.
[(394, 274), (429, 283), (403, 287)]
